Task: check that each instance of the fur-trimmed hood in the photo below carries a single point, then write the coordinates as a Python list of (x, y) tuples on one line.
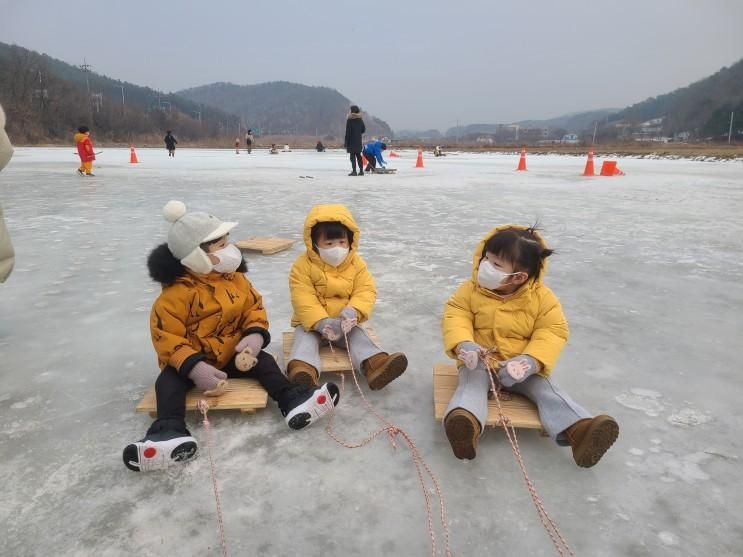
[(166, 269)]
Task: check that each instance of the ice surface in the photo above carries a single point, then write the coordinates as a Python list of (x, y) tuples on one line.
[(649, 268)]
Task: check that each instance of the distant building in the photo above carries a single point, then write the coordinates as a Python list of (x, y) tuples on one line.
[(651, 130), (485, 139), (570, 139)]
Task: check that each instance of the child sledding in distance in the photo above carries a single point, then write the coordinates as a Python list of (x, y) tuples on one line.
[(207, 313), (506, 314), (332, 292)]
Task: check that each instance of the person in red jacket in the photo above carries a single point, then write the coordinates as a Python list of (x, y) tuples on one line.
[(85, 150)]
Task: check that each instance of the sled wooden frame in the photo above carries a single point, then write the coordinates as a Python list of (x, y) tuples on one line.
[(265, 245), (329, 362), (383, 171), (520, 410), (245, 395)]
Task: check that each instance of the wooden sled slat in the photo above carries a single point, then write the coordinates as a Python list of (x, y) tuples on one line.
[(264, 244), (328, 361), (245, 395), (520, 410)]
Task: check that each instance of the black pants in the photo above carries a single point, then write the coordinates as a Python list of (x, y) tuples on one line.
[(371, 162), (356, 157), (171, 389)]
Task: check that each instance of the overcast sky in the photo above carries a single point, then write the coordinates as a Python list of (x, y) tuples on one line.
[(415, 64)]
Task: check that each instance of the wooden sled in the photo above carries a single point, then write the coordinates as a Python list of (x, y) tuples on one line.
[(328, 361), (245, 395), (265, 245), (520, 410), (384, 171)]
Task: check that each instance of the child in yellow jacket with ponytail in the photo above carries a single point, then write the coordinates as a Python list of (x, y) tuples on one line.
[(506, 314), (332, 292)]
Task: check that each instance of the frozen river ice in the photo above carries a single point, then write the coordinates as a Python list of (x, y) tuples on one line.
[(649, 269)]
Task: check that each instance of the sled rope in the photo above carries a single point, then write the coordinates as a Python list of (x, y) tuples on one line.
[(203, 407), (421, 467), (558, 541)]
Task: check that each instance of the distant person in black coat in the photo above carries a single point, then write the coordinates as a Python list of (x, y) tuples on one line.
[(249, 141), (320, 147), (170, 143), (355, 128)]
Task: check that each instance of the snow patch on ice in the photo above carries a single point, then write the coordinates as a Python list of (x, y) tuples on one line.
[(26, 403), (644, 400), (689, 417), (668, 538), (687, 467)]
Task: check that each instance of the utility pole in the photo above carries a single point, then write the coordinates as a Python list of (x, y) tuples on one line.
[(730, 130), (122, 98), (595, 129), (457, 134), (85, 67)]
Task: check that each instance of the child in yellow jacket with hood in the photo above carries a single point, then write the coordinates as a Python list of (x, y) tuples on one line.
[(332, 292), (507, 316), (207, 314)]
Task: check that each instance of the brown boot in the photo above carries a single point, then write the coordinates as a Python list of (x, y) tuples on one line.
[(590, 438), (302, 373), (382, 368), (463, 431)]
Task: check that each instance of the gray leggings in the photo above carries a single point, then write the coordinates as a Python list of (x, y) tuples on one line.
[(307, 347), (556, 409)]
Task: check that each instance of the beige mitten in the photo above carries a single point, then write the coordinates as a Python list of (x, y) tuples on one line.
[(209, 378), (245, 361)]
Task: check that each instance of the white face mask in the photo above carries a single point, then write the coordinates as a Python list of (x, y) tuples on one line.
[(333, 256), (490, 277), (229, 257)]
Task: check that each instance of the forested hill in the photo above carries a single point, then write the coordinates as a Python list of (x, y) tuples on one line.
[(284, 108)]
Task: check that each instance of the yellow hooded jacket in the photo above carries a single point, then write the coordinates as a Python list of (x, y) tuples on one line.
[(203, 317), (319, 290), (529, 321)]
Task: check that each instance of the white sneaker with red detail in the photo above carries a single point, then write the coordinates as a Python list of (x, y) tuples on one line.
[(311, 405), (148, 455)]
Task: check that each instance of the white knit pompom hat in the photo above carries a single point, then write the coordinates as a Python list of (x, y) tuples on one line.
[(189, 231)]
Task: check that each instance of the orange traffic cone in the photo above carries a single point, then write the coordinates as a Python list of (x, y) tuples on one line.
[(419, 160), (609, 168), (132, 155), (589, 164), (393, 155), (364, 162), (522, 160)]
